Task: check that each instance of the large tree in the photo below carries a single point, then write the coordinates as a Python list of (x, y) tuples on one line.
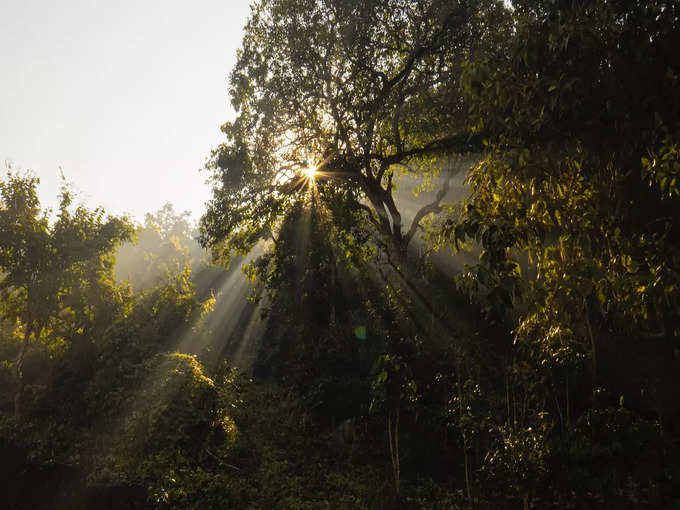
[(582, 119), (343, 93)]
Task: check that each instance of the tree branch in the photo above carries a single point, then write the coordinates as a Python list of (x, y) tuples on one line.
[(469, 143), (433, 207)]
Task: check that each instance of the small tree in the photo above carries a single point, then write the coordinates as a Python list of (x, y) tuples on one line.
[(50, 269), (394, 389), (165, 245)]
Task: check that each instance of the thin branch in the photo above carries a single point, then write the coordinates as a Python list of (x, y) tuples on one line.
[(220, 461), (433, 207)]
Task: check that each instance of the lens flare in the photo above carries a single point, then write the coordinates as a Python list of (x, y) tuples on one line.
[(310, 171)]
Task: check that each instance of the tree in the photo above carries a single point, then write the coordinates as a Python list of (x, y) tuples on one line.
[(55, 275), (346, 94), (163, 247), (581, 175), (586, 183)]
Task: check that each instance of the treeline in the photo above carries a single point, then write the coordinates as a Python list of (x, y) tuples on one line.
[(375, 372)]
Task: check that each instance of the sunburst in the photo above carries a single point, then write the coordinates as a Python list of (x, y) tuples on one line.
[(310, 171)]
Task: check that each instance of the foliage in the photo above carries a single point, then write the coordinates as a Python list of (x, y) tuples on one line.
[(57, 279), (164, 246), (308, 282), (573, 206), (576, 192), (360, 91), (543, 375)]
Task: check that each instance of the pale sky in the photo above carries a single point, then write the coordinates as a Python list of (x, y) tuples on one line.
[(126, 96)]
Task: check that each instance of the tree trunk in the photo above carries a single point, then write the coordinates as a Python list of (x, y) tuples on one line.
[(592, 344), (18, 397), (393, 438), (333, 277), (401, 256), (466, 459)]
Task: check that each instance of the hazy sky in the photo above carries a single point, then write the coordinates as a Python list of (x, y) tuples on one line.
[(126, 96)]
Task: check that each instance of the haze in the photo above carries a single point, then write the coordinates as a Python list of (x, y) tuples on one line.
[(126, 97)]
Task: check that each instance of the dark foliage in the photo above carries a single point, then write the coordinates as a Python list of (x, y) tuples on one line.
[(543, 375)]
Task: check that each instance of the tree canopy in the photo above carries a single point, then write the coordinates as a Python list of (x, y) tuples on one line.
[(577, 173), (54, 275), (359, 91)]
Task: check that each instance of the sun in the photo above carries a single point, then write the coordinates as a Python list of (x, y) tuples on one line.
[(310, 171)]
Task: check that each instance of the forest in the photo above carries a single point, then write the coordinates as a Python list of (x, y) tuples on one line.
[(440, 269)]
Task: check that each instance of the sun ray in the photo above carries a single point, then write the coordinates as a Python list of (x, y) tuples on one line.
[(310, 171)]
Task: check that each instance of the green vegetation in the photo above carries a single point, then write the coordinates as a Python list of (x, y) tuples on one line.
[(357, 369)]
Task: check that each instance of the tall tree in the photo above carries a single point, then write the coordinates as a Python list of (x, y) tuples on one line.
[(582, 174), (347, 92)]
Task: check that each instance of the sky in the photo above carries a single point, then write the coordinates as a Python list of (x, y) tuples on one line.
[(126, 97)]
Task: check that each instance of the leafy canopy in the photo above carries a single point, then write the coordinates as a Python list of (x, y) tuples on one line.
[(54, 275), (355, 89), (582, 173)]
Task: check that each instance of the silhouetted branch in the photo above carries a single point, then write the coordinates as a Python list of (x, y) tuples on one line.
[(433, 207)]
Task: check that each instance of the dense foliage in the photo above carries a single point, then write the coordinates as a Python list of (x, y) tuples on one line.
[(371, 372), (361, 91)]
